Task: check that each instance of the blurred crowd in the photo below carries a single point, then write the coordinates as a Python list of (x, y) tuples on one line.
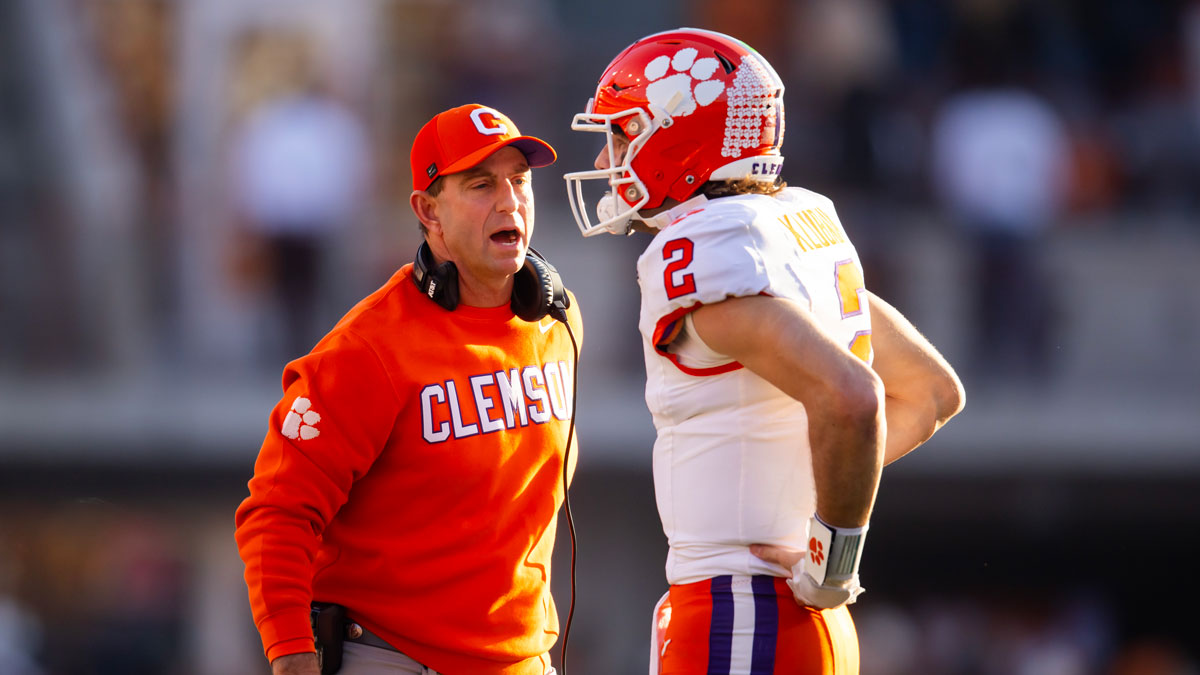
[(152, 170), (200, 188)]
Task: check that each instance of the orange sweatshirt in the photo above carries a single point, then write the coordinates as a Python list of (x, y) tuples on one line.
[(412, 472)]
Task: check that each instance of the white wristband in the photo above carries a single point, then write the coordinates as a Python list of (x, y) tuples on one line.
[(833, 552)]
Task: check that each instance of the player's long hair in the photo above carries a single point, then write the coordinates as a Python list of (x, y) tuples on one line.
[(746, 186)]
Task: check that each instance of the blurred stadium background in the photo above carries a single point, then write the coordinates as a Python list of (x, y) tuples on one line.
[(1051, 529)]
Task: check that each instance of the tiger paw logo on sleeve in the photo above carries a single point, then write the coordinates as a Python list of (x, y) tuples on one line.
[(301, 421)]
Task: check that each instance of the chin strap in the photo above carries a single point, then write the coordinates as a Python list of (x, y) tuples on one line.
[(665, 218)]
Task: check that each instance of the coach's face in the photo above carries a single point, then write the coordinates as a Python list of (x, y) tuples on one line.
[(482, 220)]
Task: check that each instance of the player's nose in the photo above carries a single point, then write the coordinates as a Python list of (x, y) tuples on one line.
[(602, 162)]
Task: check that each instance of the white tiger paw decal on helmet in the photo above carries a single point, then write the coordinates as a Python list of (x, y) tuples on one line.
[(675, 93)]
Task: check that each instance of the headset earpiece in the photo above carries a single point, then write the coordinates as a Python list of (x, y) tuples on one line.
[(440, 282), (538, 291)]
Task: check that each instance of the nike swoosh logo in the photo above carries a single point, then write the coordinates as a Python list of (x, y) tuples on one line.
[(545, 327)]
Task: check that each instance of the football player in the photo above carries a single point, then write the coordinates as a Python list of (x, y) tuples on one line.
[(778, 384)]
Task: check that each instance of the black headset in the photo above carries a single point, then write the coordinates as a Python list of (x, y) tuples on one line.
[(537, 291)]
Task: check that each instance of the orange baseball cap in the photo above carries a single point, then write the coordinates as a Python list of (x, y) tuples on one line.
[(462, 137)]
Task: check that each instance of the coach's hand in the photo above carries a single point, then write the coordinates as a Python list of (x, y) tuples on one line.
[(296, 664)]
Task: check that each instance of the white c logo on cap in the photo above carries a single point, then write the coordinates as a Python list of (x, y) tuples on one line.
[(499, 128)]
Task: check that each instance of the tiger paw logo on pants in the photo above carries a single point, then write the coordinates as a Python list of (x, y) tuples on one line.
[(301, 420)]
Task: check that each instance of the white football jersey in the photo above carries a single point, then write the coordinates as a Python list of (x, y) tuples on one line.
[(732, 461)]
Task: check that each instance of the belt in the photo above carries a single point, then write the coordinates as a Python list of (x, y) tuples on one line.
[(356, 632)]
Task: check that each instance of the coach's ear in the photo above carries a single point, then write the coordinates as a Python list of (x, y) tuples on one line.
[(425, 207)]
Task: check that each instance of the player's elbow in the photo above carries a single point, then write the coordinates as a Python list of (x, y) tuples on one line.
[(949, 396), (859, 400)]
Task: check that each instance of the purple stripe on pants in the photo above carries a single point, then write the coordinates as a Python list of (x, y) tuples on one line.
[(766, 626), (720, 633)]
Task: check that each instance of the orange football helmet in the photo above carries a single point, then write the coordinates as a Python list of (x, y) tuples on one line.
[(694, 106)]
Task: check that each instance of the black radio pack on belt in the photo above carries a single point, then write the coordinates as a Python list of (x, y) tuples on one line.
[(329, 632), (537, 292)]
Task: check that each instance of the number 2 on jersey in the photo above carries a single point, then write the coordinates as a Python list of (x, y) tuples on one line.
[(685, 283), (852, 292)]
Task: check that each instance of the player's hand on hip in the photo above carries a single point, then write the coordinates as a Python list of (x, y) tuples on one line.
[(826, 575), (833, 593), (296, 664), (778, 555), (804, 587)]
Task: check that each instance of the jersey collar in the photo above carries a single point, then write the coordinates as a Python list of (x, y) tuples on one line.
[(665, 218)]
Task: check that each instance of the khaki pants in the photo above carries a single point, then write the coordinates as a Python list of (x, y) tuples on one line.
[(366, 660)]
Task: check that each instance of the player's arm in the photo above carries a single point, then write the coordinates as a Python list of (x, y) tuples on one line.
[(922, 390), (780, 341)]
